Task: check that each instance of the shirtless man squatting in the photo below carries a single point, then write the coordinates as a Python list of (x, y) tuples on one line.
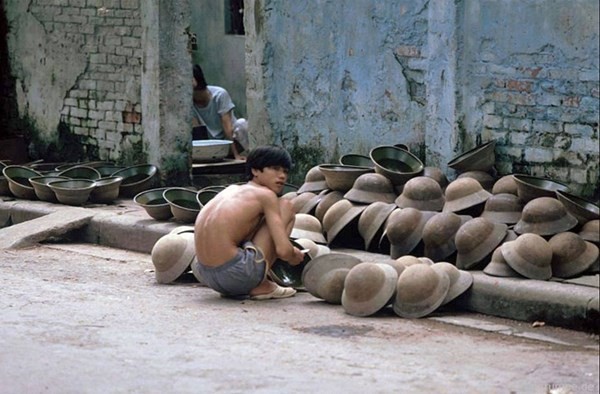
[(241, 231)]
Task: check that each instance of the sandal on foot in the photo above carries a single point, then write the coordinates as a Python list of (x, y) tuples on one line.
[(279, 292)]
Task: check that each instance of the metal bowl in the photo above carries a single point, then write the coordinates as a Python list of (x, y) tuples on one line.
[(72, 191), (354, 159), (18, 181), (41, 188), (341, 177), (136, 179), (396, 164), (46, 168), (210, 150), (582, 209), (184, 205), (106, 190), (80, 172), (530, 187), (108, 170), (480, 158), (154, 203), (203, 196)]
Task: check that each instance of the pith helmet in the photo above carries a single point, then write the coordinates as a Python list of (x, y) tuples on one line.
[(314, 181), (591, 231), (464, 193), (368, 287), (571, 255), (407, 260), (422, 193), (341, 214), (327, 200), (505, 184), (371, 187), (373, 219), (172, 255), (530, 255), (314, 249), (302, 200), (437, 175), (545, 216), (503, 208), (182, 229), (308, 226), (498, 266), (341, 177), (460, 280), (439, 232), (420, 290), (476, 239), (485, 179), (324, 276), (397, 265), (404, 229)]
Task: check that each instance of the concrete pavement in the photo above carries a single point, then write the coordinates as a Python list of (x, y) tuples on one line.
[(124, 225)]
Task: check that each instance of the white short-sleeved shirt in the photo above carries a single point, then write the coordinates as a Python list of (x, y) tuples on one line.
[(210, 116)]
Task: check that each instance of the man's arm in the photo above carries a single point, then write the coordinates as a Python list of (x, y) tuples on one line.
[(283, 247), (227, 122)]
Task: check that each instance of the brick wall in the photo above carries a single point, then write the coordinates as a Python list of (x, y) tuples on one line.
[(103, 107), (546, 122)]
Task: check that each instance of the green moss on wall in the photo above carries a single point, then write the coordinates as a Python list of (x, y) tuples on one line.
[(133, 153), (174, 171), (305, 157)]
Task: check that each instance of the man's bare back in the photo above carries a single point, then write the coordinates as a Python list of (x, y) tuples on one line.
[(228, 220)]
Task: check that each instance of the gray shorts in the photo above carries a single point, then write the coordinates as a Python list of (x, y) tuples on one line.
[(239, 275)]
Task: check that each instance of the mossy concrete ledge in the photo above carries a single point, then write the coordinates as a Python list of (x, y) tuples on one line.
[(555, 303)]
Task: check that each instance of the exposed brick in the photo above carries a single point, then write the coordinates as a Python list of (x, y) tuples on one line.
[(538, 155), (517, 124), (532, 72), (407, 51), (571, 101), (79, 112), (518, 138), (548, 99), (521, 86), (107, 125), (579, 129), (578, 175), (81, 130), (98, 115), (571, 157), (132, 117), (584, 145), (549, 127)]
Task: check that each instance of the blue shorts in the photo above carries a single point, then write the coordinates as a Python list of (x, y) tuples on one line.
[(239, 275)]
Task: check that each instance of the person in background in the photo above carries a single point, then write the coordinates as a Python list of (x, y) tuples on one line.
[(242, 230), (213, 108)]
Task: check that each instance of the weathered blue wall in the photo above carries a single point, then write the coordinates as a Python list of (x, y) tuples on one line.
[(327, 78)]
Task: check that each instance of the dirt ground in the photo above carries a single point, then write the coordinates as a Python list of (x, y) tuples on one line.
[(90, 319)]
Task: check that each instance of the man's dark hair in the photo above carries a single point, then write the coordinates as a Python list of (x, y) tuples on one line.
[(199, 77), (267, 156)]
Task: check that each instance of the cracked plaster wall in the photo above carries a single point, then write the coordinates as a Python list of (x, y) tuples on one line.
[(326, 78), (76, 66)]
